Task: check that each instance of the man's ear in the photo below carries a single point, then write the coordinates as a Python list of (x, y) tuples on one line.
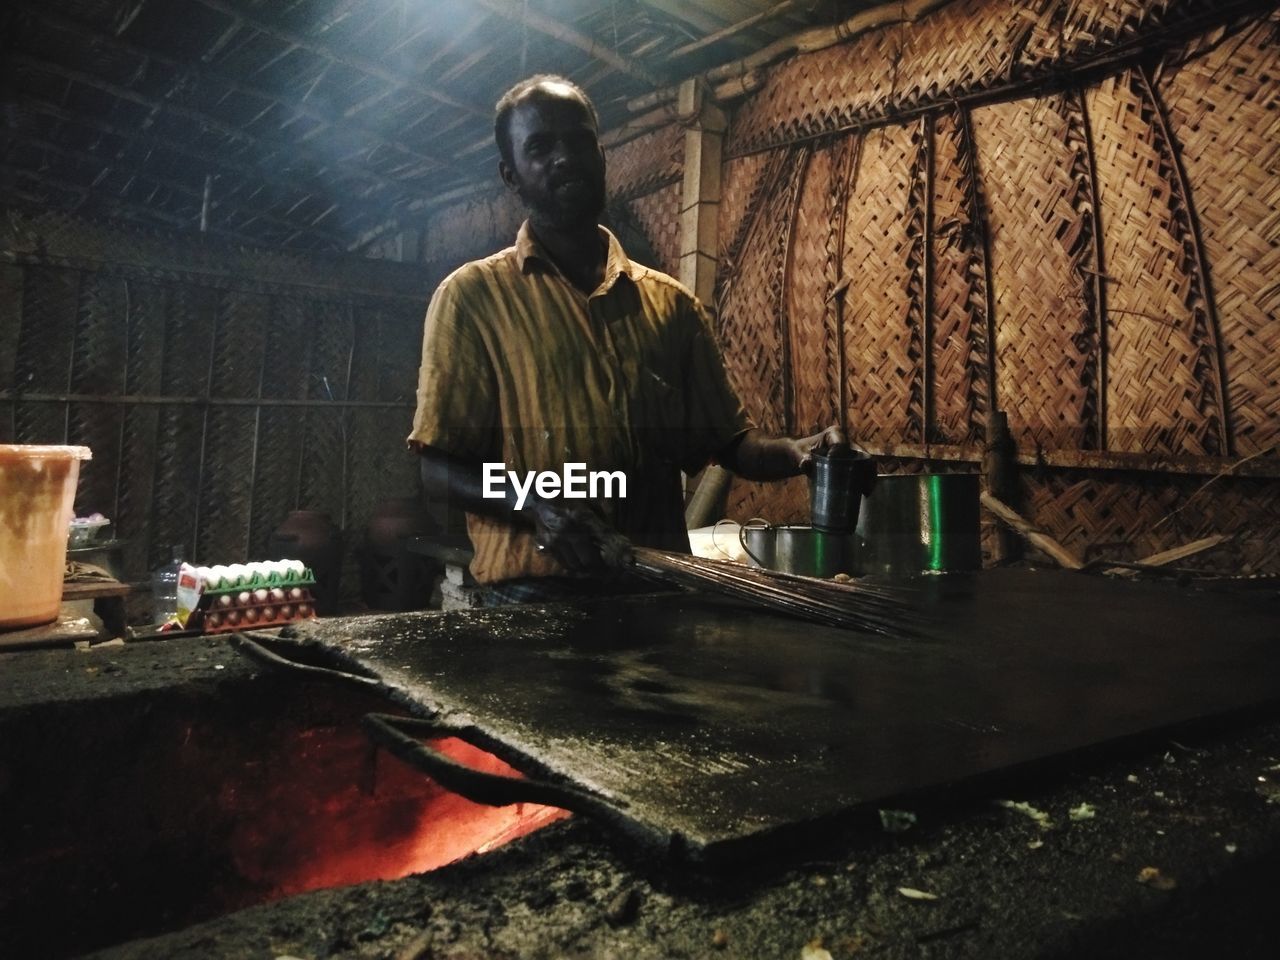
[(508, 176)]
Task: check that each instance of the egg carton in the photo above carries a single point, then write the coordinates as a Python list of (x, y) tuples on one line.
[(302, 583), (240, 576), (259, 581), (255, 612)]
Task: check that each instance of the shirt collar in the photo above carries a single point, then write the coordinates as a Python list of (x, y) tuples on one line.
[(529, 251)]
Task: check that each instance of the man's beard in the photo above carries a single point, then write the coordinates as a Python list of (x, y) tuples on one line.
[(565, 210)]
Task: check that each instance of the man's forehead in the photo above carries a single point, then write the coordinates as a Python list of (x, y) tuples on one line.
[(557, 89), (555, 96)]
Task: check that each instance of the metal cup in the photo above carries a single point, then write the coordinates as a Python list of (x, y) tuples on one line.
[(840, 478), (757, 539)]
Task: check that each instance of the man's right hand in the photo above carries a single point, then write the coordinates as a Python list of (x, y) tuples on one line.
[(573, 535), (578, 538)]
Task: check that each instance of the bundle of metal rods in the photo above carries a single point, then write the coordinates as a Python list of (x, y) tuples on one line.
[(877, 608)]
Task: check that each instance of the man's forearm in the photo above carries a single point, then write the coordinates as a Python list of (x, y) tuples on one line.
[(461, 483), (757, 456)]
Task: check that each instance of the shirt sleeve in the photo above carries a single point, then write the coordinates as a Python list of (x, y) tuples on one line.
[(457, 392), (714, 413)]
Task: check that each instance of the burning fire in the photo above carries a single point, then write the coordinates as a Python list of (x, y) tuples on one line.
[(384, 822)]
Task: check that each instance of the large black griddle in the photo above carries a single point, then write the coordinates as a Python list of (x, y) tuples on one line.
[(706, 729)]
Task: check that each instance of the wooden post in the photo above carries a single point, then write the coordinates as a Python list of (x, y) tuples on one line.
[(1000, 471), (704, 125), (700, 196)]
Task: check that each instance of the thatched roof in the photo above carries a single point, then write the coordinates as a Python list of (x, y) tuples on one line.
[(307, 123)]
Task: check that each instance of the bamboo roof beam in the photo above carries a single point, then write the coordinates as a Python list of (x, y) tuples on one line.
[(351, 61), (219, 42), (267, 146), (139, 211), (807, 41), (553, 28), (156, 142), (127, 17), (195, 194), (424, 64), (773, 13), (75, 28), (686, 13)]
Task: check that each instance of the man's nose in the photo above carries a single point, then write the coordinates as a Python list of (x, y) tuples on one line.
[(561, 154)]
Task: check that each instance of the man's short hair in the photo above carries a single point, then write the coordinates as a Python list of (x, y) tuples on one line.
[(529, 89)]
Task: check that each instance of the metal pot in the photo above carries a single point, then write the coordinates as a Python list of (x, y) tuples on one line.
[(916, 523), (798, 549)]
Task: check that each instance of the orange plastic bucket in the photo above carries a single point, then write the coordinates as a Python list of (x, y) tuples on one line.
[(37, 497)]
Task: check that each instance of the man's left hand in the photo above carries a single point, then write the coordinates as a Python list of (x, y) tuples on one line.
[(806, 447), (757, 456)]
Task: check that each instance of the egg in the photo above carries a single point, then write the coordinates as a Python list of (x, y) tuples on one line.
[(295, 593), (223, 601), (276, 594), (217, 576), (304, 610), (260, 595), (202, 574), (297, 568), (231, 618), (250, 614), (244, 597), (268, 613), (286, 611), (212, 621)]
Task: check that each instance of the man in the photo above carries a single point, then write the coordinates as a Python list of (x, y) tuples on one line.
[(559, 350)]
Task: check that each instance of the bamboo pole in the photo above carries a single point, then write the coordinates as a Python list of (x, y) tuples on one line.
[(1031, 533), (726, 33)]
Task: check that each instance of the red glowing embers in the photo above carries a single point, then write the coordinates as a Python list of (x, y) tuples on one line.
[(347, 813)]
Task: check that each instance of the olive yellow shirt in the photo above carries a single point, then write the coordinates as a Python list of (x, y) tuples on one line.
[(520, 367)]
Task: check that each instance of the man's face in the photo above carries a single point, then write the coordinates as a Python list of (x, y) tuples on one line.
[(557, 166)]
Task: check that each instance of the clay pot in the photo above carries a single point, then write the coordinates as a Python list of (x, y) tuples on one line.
[(312, 537), (391, 576), (393, 520)]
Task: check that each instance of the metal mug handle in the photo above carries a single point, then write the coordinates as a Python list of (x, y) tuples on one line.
[(716, 546), (742, 538)]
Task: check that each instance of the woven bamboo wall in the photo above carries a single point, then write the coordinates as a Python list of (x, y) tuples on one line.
[(218, 388), (1065, 209)]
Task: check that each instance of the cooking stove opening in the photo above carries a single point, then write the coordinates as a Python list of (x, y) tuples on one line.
[(126, 822)]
